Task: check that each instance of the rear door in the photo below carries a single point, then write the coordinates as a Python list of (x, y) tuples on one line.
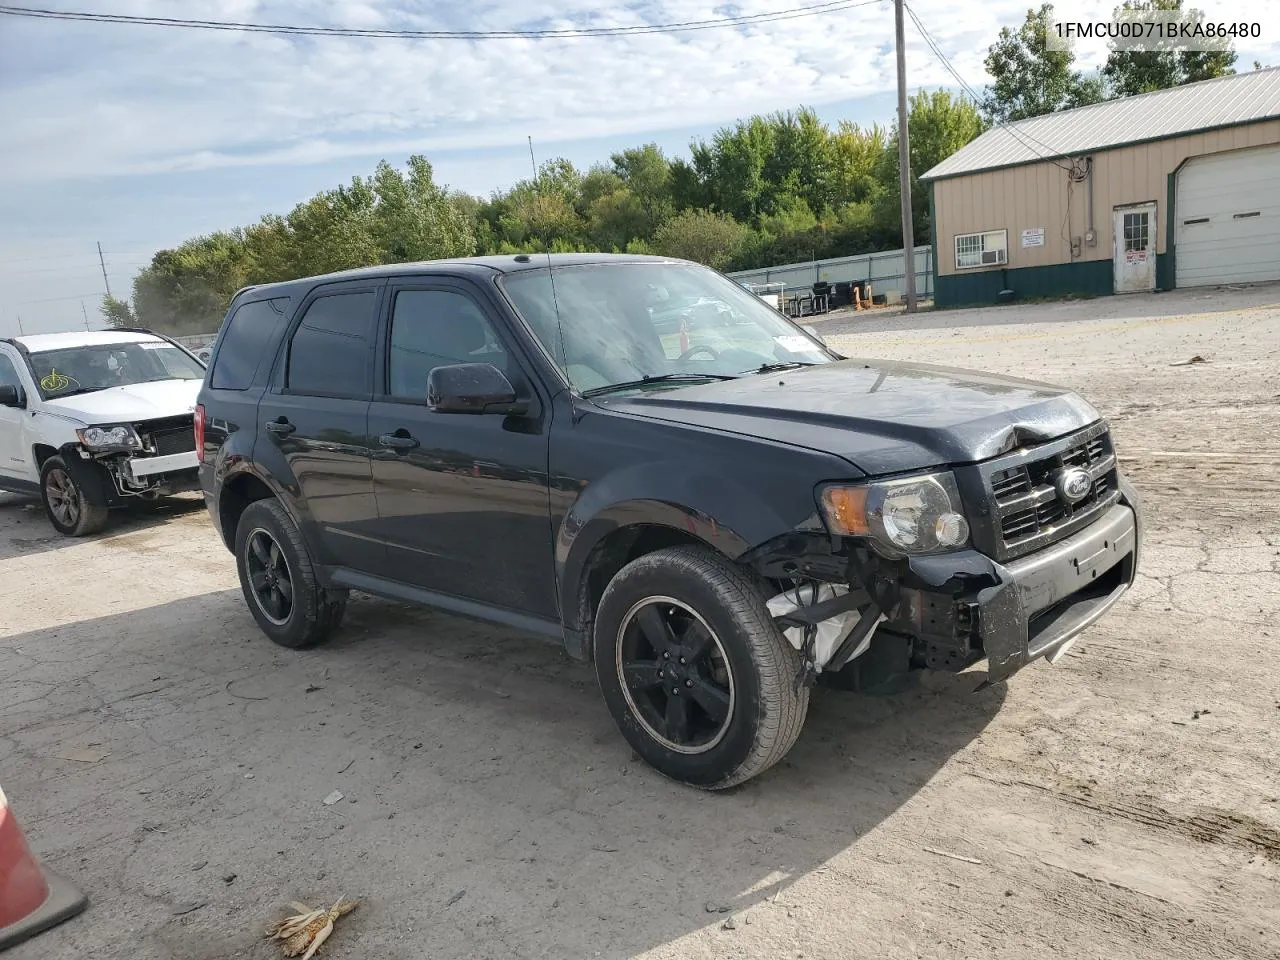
[(462, 498), (317, 416)]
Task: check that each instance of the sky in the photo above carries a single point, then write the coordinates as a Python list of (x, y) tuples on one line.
[(141, 137)]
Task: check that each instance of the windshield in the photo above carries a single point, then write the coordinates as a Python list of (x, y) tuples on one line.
[(72, 370), (626, 323)]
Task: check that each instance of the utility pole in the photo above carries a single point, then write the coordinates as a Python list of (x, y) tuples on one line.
[(86, 315), (904, 166), (103, 263)]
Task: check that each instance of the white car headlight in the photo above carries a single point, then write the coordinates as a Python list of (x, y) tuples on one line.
[(117, 437), (910, 516)]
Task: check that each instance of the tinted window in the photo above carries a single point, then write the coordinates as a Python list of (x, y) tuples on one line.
[(8, 373), (331, 353), (250, 333), (435, 328)]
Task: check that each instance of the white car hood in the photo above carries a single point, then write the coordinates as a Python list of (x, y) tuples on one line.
[(129, 404)]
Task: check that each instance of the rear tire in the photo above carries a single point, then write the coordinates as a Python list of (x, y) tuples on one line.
[(65, 503), (699, 680), (279, 580)]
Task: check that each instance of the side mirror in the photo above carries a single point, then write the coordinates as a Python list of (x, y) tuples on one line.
[(11, 396), (471, 388)]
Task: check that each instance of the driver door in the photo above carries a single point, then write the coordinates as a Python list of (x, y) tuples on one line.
[(14, 463), (462, 499)]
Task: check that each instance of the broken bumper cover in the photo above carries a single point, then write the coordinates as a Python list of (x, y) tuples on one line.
[(1045, 600), (966, 605), (145, 468)]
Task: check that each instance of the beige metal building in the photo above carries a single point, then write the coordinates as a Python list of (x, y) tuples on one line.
[(1175, 188)]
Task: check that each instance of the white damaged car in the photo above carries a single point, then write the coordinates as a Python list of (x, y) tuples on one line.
[(94, 420)]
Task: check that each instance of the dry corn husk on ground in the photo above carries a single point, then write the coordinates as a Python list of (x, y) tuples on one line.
[(302, 933)]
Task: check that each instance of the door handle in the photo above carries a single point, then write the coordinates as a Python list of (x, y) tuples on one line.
[(281, 427), (398, 441)]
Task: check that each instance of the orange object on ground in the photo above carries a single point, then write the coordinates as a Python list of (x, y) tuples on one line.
[(31, 901), (684, 336)]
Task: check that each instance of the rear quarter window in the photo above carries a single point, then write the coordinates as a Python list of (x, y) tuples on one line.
[(251, 332)]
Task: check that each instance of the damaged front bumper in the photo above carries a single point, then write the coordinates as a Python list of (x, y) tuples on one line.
[(1036, 607), (952, 610), (123, 478)]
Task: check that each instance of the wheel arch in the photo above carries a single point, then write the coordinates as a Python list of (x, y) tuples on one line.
[(92, 477), (237, 490), (610, 550), (40, 452)]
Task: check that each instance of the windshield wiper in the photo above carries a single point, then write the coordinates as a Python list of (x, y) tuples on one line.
[(74, 393), (782, 365), (658, 378)]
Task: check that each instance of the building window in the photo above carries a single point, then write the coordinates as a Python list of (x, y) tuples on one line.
[(1137, 231), (982, 249)]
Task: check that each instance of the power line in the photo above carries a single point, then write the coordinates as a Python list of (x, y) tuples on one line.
[(78, 296), (1019, 135), (71, 268), (569, 33), (68, 256)]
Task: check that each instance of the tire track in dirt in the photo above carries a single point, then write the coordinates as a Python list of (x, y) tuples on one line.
[(1207, 824)]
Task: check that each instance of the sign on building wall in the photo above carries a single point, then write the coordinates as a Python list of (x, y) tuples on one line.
[(1033, 237)]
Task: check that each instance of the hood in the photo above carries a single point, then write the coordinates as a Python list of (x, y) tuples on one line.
[(129, 404), (881, 416)]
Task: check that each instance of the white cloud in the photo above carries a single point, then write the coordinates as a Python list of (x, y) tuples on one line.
[(150, 99), (111, 100)]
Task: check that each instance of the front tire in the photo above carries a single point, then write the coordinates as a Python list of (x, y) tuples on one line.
[(279, 580), (699, 680), (68, 509)]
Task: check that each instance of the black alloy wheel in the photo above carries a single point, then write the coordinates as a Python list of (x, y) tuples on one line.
[(279, 579), (675, 675), (697, 676), (270, 579)]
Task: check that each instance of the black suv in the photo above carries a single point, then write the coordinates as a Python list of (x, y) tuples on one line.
[(714, 513)]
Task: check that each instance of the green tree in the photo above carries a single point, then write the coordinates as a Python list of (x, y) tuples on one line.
[(414, 219), (855, 156), (747, 169), (688, 191), (1028, 79), (616, 218), (646, 173), (714, 239), (117, 312), (939, 124), (1130, 72)]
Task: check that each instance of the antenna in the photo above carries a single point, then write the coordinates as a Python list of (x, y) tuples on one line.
[(551, 274)]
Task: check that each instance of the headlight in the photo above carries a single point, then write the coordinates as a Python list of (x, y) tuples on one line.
[(914, 515), (110, 438)]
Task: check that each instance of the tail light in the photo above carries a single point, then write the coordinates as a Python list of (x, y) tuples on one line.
[(199, 428)]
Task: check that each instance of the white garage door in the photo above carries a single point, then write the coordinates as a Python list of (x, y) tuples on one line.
[(1228, 210)]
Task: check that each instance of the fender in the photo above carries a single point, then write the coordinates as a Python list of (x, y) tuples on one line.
[(231, 469), (716, 509), (89, 476)]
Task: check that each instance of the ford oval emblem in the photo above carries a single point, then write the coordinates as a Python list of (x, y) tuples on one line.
[(1074, 484)]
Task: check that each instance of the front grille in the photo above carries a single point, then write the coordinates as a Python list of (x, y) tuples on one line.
[(1029, 510), (173, 441), (169, 436)]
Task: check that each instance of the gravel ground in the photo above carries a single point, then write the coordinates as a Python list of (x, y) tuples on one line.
[(1124, 804)]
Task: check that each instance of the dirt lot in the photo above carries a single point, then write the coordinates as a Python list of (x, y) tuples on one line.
[(1125, 803)]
